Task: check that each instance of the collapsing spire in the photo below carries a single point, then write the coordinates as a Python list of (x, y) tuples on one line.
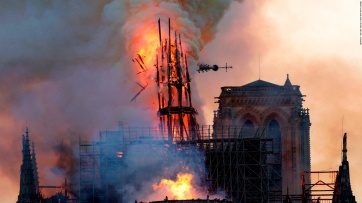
[(28, 193), (175, 110)]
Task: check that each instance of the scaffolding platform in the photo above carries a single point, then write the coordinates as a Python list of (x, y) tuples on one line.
[(243, 167)]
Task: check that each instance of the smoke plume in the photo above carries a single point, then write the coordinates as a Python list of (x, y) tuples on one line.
[(268, 44), (66, 72)]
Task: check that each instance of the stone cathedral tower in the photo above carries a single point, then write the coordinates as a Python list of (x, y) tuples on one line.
[(28, 184), (343, 190), (264, 110)]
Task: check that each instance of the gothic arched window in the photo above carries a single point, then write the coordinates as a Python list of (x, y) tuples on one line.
[(275, 133), (275, 171), (247, 129)]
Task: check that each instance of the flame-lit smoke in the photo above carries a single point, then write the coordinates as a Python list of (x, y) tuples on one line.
[(160, 162), (195, 21), (329, 77), (66, 70), (184, 186), (179, 189), (66, 164)]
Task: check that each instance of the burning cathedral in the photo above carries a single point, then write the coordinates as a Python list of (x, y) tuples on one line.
[(257, 150)]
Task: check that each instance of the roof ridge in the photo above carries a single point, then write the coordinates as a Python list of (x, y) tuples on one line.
[(261, 83)]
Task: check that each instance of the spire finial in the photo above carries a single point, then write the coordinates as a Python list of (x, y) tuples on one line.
[(259, 66), (287, 82), (33, 147), (344, 147), (27, 133), (342, 139)]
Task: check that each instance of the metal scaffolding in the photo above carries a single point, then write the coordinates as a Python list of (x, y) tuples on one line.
[(239, 166), (100, 166), (322, 187), (89, 176), (242, 167)]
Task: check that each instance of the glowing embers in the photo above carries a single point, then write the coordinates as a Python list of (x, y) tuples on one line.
[(181, 189)]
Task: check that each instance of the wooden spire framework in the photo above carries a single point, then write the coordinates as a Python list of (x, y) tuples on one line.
[(177, 116)]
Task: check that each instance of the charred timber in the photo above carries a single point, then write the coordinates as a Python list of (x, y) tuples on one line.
[(177, 110)]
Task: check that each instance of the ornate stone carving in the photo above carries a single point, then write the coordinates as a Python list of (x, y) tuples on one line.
[(248, 113), (275, 113)]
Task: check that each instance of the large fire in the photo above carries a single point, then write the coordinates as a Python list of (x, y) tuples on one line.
[(161, 62), (145, 47), (181, 189)]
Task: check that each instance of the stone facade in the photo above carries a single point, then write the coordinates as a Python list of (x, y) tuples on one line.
[(265, 110)]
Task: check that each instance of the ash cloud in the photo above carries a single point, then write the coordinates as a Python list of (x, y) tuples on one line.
[(65, 72)]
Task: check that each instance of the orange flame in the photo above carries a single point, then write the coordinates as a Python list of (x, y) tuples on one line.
[(181, 189), (146, 42), (152, 57)]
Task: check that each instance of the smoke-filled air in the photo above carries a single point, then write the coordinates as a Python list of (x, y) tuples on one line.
[(70, 69), (66, 72)]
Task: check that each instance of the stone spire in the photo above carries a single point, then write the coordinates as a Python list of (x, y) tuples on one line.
[(35, 168), (343, 191), (27, 192), (344, 150)]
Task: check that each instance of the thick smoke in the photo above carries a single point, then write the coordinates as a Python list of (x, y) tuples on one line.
[(195, 20), (147, 163), (66, 71), (327, 67)]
